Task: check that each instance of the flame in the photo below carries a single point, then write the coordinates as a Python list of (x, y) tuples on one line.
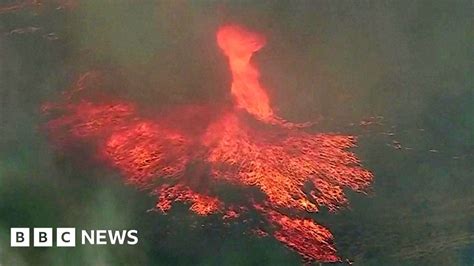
[(144, 150), (182, 154), (280, 163), (311, 240), (239, 45), (200, 204)]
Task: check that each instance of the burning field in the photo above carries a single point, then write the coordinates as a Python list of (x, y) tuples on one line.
[(182, 153)]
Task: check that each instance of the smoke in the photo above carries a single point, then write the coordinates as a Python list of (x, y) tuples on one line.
[(344, 61)]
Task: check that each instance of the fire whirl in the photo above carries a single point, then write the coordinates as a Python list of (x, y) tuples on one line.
[(184, 163)]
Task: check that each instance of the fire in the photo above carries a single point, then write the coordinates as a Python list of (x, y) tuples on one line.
[(280, 162), (313, 241), (200, 204), (183, 153), (239, 45), (141, 151)]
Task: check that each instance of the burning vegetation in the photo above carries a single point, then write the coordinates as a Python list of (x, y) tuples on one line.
[(182, 159)]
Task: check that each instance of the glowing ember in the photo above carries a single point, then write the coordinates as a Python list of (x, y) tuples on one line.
[(311, 240), (145, 150), (200, 204), (184, 153), (280, 163)]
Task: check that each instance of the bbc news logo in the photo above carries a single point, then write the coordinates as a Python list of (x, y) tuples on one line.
[(66, 237)]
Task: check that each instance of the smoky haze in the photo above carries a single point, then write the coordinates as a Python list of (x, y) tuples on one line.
[(407, 62)]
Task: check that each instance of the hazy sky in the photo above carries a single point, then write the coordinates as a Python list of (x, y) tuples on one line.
[(410, 62)]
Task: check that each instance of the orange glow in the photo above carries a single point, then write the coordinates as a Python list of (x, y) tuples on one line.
[(145, 150), (184, 152), (85, 119), (311, 240), (239, 45), (280, 162), (200, 204)]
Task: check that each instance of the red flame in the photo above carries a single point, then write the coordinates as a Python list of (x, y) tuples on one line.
[(239, 45), (180, 160), (310, 239)]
